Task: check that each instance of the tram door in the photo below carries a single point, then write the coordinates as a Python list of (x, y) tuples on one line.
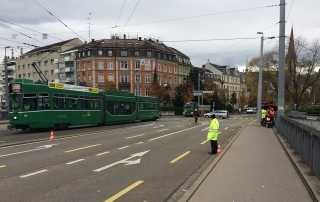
[(138, 108)]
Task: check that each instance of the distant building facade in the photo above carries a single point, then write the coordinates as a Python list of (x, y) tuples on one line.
[(130, 64), (11, 62)]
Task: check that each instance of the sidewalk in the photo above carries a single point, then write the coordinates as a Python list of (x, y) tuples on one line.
[(254, 166)]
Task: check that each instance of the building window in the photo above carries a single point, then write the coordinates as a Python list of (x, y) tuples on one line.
[(159, 79), (110, 77), (79, 54), (148, 53), (18, 67), (78, 66), (169, 57), (124, 78), (147, 67), (83, 66), (148, 78), (164, 56), (164, 67), (84, 78), (28, 66), (110, 65), (88, 53), (23, 67), (124, 52), (124, 64), (109, 52), (24, 75), (83, 54), (100, 78), (79, 79), (147, 91), (175, 81), (138, 65), (29, 75), (89, 65), (100, 52), (100, 64), (46, 73), (89, 78), (137, 90), (170, 80), (52, 72), (138, 78), (181, 70), (34, 74), (136, 53), (52, 61), (159, 67), (158, 54), (46, 63)]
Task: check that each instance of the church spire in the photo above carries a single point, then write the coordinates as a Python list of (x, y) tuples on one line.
[(291, 52)]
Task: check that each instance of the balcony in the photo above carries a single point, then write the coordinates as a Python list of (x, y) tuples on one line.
[(124, 84), (69, 69)]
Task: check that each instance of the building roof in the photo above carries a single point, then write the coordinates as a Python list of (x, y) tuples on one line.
[(49, 47)]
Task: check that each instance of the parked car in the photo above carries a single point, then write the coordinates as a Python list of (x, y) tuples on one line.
[(223, 114), (251, 110)]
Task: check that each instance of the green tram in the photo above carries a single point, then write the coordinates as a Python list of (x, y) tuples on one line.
[(58, 106)]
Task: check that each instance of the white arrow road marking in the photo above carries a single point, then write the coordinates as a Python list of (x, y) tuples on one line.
[(127, 161), (38, 148), (159, 126)]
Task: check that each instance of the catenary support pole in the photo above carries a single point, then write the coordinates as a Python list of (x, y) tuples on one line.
[(260, 80)]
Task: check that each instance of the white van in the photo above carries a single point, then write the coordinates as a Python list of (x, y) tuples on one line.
[(251, 110)]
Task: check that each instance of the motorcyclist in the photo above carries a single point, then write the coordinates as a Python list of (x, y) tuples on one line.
[(196, 115)]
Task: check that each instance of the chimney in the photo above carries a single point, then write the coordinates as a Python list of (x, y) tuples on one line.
[(208, 61), (21, 51), (92, 40), (139, 38), (124, 36)]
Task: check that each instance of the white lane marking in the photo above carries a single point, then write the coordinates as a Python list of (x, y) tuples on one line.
[(102, 153), (123, 147), (159, 126), (204, 129), (38, 148), (139, 143), (174, 133), (76, 161), (35, 173)]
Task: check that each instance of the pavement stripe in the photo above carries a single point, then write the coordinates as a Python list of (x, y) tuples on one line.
[(35, 173), (179, 157), (3, 166), (82, 148), (123, 147), (135, 136), (102, 153), (162, 130), (76, 161), (118, 195), (204, 142)]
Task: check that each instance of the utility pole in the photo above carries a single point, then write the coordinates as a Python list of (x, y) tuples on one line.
[(260, 79), (199, 88), (281, 75), (6, 78)]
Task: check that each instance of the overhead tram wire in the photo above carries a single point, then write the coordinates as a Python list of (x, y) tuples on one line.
[(130, 17), (59, 20), (33, 30), (124, 1), (23, 34), (198, 40)]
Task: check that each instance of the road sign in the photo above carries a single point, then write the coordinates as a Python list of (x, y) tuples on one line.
[(197, 92), (207, 91)]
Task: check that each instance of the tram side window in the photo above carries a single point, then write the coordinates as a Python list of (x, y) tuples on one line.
[(127, 108), (132, 107), (30, 101), (59, 101), (72, 102), (15, 100), (43, 101), (141, 106), (115, 108), (110, 107)]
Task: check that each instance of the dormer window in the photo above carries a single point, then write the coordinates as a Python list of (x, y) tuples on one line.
[(148, 53), (109, 52), (124, 52), (136, 53), (100, 52)]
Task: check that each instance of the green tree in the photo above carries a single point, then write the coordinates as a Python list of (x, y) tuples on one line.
[(109, 85), (156, 89)]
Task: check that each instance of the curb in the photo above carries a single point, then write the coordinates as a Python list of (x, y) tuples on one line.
[(185, 197)]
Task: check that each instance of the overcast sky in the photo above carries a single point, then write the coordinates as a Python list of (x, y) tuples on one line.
[(197, 28)]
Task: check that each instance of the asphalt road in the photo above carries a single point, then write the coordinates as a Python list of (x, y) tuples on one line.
[(147, 161)]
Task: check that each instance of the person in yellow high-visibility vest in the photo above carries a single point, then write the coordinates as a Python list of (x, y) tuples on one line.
[(263, 115), (213, 134)]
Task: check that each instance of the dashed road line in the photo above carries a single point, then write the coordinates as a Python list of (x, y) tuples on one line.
[(103, 153), (123, 147), (118, 195), (162, 130), (3, 166), (180, 157), (35, 173), (134, 136), (82, 148), (76, 161)]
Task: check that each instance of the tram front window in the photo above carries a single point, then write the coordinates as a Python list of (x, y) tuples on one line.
[(15, 101)]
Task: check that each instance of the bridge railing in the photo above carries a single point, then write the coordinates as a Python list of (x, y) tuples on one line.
[(305, 140)]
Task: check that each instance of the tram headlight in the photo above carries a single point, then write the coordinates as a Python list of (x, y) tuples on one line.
[(15, 117)]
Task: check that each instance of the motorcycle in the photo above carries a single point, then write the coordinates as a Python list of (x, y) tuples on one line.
[(263, 121), (269, 122)]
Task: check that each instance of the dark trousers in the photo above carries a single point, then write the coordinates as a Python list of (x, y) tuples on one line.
[(214, 146)]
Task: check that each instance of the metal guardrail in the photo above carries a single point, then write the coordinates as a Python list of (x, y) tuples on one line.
[(305, 140)]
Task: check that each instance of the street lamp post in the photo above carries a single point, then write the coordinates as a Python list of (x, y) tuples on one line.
[(6, 78), (260, 79)]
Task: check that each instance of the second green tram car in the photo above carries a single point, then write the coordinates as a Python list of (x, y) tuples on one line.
[(58, 106)]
